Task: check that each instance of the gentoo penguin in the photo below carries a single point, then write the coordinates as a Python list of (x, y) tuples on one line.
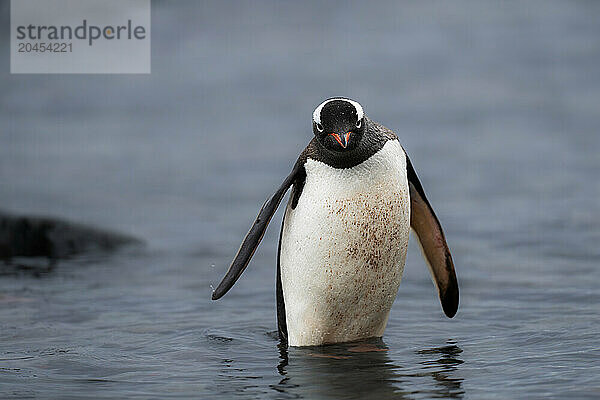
[(344, 235)]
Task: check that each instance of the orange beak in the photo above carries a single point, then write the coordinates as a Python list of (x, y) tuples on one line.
[(343, 140)]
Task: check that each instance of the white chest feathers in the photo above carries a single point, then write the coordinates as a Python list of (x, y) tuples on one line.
[(343, 249)]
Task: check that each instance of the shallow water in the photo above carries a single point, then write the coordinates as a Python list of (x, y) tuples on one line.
[(497, 105)]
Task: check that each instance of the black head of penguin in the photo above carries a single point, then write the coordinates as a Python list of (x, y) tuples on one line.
[(339, 124)]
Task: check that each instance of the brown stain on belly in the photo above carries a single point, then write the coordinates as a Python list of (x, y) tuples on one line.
[(375, 224)]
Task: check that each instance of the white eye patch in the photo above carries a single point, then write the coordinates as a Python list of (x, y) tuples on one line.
[(357, 107)]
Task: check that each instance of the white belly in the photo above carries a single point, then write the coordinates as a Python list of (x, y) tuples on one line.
[(343, 249)]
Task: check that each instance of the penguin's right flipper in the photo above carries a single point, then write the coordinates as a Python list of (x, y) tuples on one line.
[(253, 237)]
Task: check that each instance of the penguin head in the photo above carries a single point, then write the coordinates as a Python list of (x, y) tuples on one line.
[(339, 124)]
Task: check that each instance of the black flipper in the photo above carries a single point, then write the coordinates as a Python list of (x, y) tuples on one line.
[(433, 243), (253, 237)]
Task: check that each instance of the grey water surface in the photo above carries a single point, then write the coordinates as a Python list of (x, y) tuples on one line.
[(498, 105)]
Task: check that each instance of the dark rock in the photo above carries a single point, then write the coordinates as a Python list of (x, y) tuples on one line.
[(29, 236)]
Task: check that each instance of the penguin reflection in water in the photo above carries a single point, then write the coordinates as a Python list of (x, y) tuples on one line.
[(344, 236)]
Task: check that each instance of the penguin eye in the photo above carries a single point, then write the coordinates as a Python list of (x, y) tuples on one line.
[(320, 127), (359, 123)]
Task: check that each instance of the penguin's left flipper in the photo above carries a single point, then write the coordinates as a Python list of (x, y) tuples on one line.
[(433, 243), (253, 237)]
